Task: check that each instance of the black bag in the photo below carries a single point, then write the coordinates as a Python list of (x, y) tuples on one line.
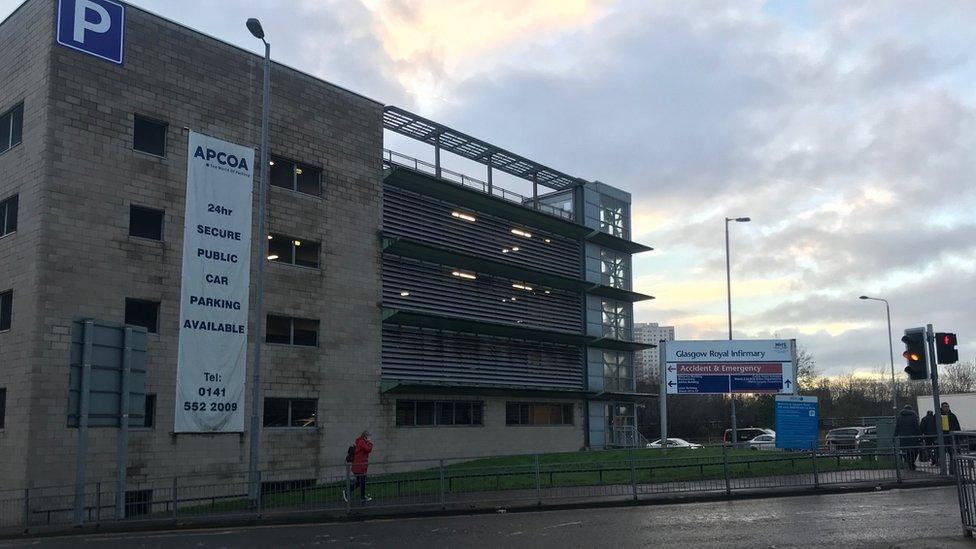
[(350, 453)]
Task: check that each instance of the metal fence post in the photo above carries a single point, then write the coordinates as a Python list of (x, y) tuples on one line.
[(347, 490), (98, 502), (26, 510), (176, 501), (257, 479), (538, 481), (633, 473), (816, 475), (895, 447), (441, 471), (725, 469)]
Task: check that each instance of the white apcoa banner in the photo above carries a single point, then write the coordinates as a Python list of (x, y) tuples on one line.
[(216, 276)]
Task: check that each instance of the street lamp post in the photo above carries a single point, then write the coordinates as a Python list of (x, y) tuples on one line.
[(728, 288), (891, 353), (254, 475)]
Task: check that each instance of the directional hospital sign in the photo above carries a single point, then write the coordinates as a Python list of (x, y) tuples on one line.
[(95, 27), (796, 422), (730, 366)]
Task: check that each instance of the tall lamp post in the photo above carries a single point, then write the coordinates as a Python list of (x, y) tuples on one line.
[(728, 288), (891, 353), (254, 475)]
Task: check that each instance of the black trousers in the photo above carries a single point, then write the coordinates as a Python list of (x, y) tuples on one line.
[(359, 481)]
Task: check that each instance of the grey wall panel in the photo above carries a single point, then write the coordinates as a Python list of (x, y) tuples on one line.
[(429, 219), (421, 355), (434, 289)]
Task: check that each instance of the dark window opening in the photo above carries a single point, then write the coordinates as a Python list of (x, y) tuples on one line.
[(145, 222), (6, 309), (293, 251), (138, 502), (420, 413), (522, 413), (149, 415), (8, 215), (11, 127), (290, 412), (286, 330), (295, 176), (149, 136), (140, 312)]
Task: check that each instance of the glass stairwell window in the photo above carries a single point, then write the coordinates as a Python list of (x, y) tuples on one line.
[(616, 319)]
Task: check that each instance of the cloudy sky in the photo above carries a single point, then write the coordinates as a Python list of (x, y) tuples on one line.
[(846, 130)]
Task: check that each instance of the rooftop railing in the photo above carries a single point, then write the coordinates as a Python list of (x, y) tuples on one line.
[(395, 158)]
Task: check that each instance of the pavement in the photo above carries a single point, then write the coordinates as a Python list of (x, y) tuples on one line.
[(915, 518)]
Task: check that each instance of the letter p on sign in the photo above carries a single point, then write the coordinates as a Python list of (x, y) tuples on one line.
[(95, 27)]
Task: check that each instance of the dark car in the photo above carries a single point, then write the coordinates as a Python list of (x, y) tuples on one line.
[(843, 439)]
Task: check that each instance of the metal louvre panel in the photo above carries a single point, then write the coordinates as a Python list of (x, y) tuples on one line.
[(433, 289), (416, 354), (429, 220)]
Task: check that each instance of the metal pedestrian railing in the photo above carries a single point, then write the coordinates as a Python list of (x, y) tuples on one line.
[(442, 483)]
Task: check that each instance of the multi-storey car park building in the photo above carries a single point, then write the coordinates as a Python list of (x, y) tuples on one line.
[(447, 315)]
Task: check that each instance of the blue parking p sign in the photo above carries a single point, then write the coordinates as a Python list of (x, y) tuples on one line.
[(95, 27)]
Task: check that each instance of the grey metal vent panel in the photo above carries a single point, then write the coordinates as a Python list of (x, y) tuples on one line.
[(416, 354), (429, 219), (434, 289)]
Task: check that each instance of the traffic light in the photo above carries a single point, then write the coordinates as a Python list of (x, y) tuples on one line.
[(915, 355), (945, 347)]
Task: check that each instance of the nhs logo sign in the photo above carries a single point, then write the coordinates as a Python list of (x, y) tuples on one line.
[(95, 27)]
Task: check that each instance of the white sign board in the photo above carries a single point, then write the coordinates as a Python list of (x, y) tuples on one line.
[(216, 276), (730, 366)]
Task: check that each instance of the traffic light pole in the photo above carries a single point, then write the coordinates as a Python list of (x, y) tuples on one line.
[(934, 369)]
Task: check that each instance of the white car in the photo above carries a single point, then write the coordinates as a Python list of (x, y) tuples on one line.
[(763, 442), (674, 443)]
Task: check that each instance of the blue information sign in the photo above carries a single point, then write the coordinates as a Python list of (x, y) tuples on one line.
[(95, 27), (797, 419)]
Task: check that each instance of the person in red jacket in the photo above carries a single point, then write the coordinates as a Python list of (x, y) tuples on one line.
[(360, 464)]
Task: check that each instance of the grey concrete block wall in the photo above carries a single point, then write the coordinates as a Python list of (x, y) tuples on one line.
[(25, 43)]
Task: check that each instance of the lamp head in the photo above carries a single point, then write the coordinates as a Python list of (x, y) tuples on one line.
[(864, 297), (254, 26), (743, 219)]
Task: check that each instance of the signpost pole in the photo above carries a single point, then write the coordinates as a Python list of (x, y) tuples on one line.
[(83, 405), (663, 397), (123, 441)]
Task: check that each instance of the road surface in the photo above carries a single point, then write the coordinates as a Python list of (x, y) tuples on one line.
[(921, 517)]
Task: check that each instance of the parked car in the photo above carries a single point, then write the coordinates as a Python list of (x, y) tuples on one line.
[(675, 443), (843, 439), (745, 434), (867, 440), (763, 442)]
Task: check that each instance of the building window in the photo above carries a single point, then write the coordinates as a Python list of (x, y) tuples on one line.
[(295, 176), (527, 413), (149, 415), (290, 412), (614, 268), (141, 312), (286, 330), (11, 128), (149, 136), (145, 222), (293, 251), (8, 216), (615, 318), (613, 214), (618, 371), (3, 406), (6, 309), (430, 413)]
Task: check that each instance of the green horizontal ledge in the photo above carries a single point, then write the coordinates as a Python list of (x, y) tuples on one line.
[(430, 185), (465, 325), (601, 238), (414, 249), (396, 386)]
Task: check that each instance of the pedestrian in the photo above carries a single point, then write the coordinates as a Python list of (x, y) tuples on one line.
[(927, 427), (360, 463), (949, 423), (907, 433)]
